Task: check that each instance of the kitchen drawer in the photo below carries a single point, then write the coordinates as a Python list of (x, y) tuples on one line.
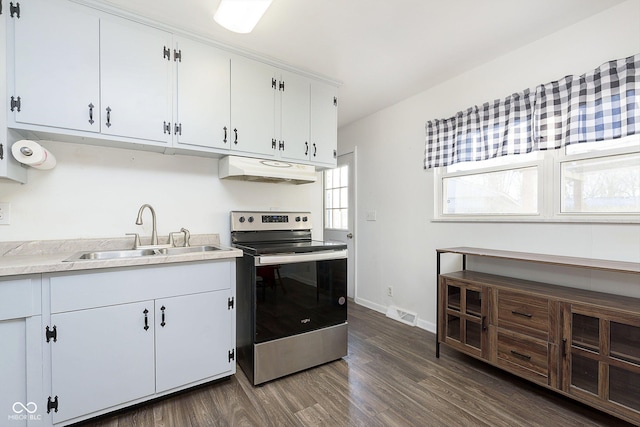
[(100, 288), (527, 356), (19, 297), (519, 310)]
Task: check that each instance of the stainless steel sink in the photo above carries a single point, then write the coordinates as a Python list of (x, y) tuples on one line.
[(188, 250), (135, 253)]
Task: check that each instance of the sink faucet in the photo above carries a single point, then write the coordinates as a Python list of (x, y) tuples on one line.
[(187, 236), (154, 232)]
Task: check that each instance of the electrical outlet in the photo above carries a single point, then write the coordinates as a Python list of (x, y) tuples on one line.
[(5, 213), (389, 291)]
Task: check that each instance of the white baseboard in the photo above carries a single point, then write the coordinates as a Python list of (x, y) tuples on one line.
[(422, 324)]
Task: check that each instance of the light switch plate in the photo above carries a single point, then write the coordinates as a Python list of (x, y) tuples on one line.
[(371, 215), (5, 213)]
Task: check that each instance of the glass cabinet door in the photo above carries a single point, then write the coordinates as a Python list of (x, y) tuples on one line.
[(604, 357), (464, 321)]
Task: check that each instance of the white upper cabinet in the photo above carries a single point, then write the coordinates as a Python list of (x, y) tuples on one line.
[(56, 67), (136, 63), (77, 73), (253, 107), (202, 96), (324, 124), (294, 93)]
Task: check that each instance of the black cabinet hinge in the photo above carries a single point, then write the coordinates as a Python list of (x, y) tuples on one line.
[(230, 303), (167, 127), (232, 354), (52, 404), (335, 101), (0, 7), (166, 53), (14, 10), (178, 129), (281, 145), (177, 55), (273, 83), (15, 103), (273, 143), (51, 333), (281, 86)]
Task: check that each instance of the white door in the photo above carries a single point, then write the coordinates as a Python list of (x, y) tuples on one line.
[(339, 211), (203, 100), (102, 357), (295, 116), (253, 107), (193, 338), (136, 85), (324, 123), (57, 59)]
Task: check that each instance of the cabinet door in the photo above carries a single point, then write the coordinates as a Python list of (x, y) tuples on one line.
[(102, 357), (57, 74), (136, 82), (602, 358), (324, 124), (193, 339), (464, 316), (253, 104), (203, 96), (294, 117), (13, 370)]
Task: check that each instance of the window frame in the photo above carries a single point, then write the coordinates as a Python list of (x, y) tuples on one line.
[(549, 166)]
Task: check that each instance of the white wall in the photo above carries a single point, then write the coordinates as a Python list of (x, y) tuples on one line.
[(97, 191), (399, 248)]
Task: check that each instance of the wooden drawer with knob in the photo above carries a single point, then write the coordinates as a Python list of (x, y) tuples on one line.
[(525, 355), (524, 313)]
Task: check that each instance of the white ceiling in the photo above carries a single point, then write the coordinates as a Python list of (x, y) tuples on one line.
[(382, 51)]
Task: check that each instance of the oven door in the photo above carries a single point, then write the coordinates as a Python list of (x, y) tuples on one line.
[(296, 293)]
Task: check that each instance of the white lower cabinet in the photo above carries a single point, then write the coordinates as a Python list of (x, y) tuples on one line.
[(126, 335), (181, 357), (102, 357), (20, 351)]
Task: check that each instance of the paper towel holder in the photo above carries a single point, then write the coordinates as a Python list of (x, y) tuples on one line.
[(26, 151)]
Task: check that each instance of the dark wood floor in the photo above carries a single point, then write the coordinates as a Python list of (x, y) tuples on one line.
[(390, 378)]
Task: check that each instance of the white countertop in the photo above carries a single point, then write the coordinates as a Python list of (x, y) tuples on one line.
[(34, 257)]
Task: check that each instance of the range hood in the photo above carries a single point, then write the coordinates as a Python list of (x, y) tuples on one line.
[(250, 169)]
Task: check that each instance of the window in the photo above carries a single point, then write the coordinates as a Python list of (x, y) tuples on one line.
[(336, 198), (597, 181)]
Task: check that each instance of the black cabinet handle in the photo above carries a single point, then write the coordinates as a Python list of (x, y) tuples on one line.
[(517, 313), (315, 149), (564, 348), (235, 131), (520, 355), (306, 148), (163, 322), (146, 319), (108, 116), (91, 113), (225, 135), (484, 321)]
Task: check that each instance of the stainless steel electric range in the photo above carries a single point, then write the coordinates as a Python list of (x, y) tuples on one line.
[(291, 295)]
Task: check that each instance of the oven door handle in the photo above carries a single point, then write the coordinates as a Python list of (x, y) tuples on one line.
[(303, 257)]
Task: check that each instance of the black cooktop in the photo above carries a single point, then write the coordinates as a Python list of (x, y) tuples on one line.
[(263, 248)]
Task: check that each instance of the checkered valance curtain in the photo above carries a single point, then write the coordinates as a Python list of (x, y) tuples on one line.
[(600, 105)]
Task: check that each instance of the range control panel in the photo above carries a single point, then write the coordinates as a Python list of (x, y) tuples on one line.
[(261, 221)]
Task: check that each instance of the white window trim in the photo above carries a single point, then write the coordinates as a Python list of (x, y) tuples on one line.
[(549, 191)]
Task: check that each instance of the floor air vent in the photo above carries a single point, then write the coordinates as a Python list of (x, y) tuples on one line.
[(402, 315)]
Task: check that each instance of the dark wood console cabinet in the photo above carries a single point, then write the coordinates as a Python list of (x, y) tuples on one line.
[(580, 343)]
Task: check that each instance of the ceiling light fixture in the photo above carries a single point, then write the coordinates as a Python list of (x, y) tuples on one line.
[(240, 16)]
